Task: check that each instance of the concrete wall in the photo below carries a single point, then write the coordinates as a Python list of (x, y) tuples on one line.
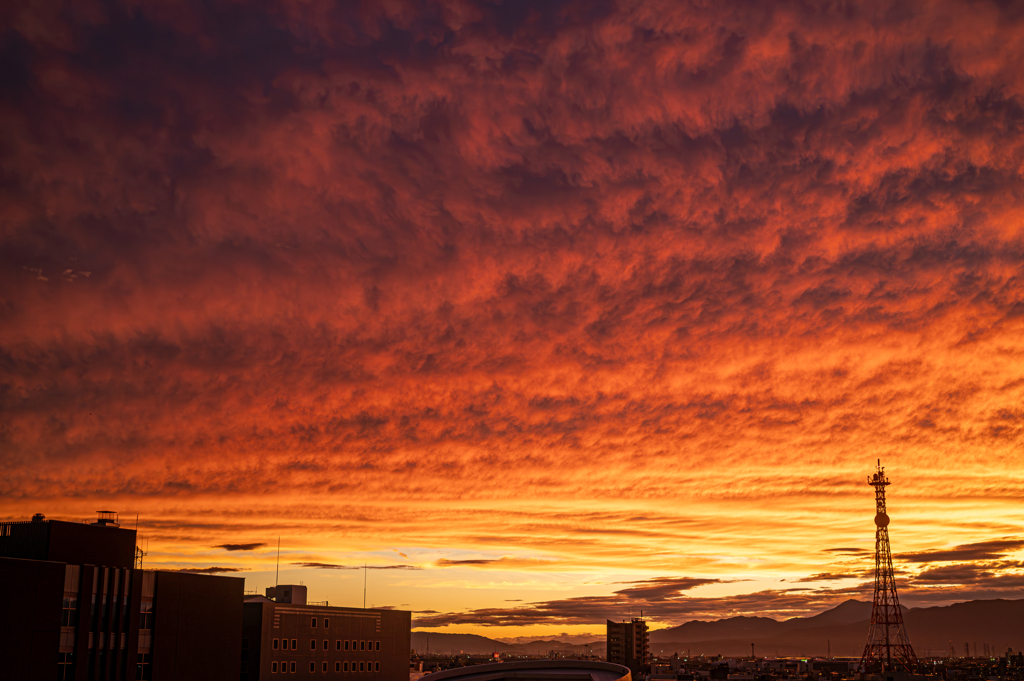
[(197, 627), (81, 544), (30, 618)]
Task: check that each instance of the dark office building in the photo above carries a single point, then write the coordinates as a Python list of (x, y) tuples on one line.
[(628, 644), (75, 607), (102, 542), (288, 636)]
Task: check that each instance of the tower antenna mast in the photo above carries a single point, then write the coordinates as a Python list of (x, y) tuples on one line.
[(887, 643)]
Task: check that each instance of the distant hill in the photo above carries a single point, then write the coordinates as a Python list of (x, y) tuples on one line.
[(843, 630), (424, 641), (751, 628), (1000, 623)]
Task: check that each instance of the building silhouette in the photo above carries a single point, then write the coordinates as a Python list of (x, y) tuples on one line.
[(283, 633), (77, 607), (628, 645)]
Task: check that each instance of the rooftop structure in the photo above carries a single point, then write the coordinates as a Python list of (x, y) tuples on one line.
[(538, 670), (102, 542)]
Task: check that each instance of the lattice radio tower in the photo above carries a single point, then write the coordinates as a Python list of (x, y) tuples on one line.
[(887, 638)]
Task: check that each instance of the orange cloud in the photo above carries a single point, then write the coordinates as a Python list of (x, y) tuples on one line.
[(640, 286)]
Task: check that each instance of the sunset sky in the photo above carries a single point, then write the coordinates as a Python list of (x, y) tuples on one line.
[(548, 312)]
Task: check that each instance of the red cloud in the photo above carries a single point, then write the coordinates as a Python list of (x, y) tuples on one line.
[(524, 251)]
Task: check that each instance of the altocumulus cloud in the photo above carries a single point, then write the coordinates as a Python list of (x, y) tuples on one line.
[(458, 250)]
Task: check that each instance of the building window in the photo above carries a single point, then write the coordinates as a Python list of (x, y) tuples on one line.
[(312, 644), (142, 667), (345, 668), (355, 645), (346, 647), (377, 645), (376, 666), (338, 646), (295, 644), (327, 622), (337, 666), (69, 613), (312, 666), (362, 645), (273, 667), (66, 665), (146, 615), (274, 644), (313, 623), (325, 666), (292, 670), (327, 644), (362, 666)]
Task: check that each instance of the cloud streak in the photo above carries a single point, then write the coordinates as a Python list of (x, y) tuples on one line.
[(241, 547), (333, 566)]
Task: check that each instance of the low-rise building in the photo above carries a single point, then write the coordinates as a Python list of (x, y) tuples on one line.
[(283, 634)]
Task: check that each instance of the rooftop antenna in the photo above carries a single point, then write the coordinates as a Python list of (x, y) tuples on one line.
[(277, 574), (364, 586)]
